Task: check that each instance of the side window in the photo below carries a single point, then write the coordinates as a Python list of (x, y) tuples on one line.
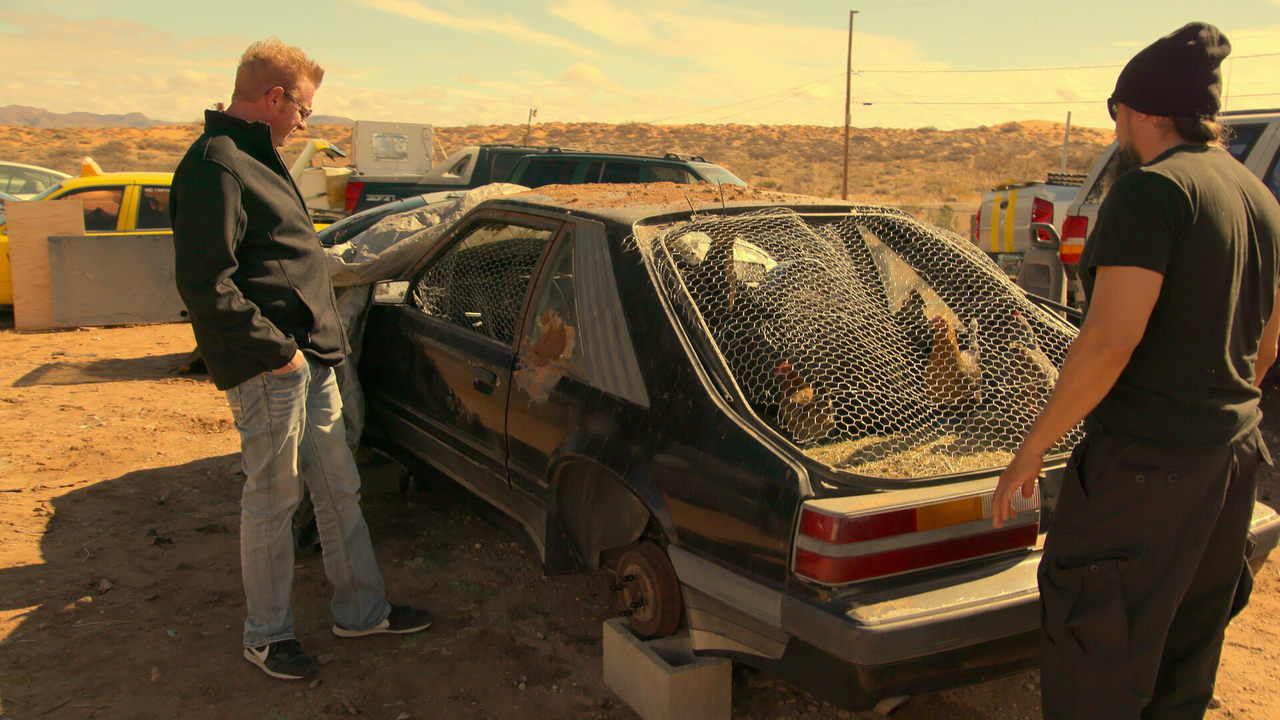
[(1242, 139), (502, 164), (480, 282), (617, 171), (548, 171), (671, 173), (153, 209), (101, 207), (552, 335), (1273, 176), (21, 181)]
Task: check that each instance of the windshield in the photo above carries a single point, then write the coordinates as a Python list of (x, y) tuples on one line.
[(48, 191), (717, 175)]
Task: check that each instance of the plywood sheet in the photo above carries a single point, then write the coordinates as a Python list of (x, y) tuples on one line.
[(29, 224), (113, 279)]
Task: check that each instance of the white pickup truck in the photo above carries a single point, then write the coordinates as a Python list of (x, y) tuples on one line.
[(1002, 226), (1049, 268)]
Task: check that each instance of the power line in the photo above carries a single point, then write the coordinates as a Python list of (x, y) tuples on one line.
[(778, 96), (1040, 68), (787, 91)]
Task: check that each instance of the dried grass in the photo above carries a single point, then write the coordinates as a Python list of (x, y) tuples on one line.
[(928, 456)]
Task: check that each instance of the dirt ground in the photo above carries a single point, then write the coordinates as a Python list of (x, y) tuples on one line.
[(120, 594)]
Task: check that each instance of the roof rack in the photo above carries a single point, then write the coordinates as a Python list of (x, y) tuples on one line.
[(683, 156)]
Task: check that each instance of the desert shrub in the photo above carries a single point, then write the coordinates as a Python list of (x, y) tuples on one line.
[(113, 155)]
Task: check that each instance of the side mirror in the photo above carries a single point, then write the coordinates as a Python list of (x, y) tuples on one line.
[(390, 292)]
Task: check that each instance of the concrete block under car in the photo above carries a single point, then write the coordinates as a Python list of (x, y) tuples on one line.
[(662, 679)]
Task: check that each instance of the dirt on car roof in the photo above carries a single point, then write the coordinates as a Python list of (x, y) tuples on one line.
[(615, 195)]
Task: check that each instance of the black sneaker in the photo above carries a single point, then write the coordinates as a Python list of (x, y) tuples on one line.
[(282, 659), (402, 620)]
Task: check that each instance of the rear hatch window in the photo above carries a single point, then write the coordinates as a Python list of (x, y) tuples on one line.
[(875, 343)]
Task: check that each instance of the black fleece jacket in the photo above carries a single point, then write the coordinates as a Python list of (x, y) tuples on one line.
[(249, 266)]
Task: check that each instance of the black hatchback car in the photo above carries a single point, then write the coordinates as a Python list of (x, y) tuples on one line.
[(779, 420)]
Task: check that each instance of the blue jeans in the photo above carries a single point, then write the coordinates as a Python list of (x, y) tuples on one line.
[(291, 432)]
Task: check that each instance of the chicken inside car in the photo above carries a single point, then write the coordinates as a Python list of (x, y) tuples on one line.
[(778, 420)]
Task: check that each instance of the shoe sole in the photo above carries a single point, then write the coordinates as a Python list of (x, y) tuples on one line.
[(261, 665), (345, 633)]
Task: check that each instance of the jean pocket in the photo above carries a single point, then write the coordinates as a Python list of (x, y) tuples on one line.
[(291, 376), (1084, 608)]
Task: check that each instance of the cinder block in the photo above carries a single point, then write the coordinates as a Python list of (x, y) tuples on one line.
[(662, 679)]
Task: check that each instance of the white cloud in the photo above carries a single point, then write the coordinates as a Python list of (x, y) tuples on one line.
[(588, 77), (112, 66), (507, 26)]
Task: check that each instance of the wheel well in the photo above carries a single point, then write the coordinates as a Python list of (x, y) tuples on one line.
[(592, 512)]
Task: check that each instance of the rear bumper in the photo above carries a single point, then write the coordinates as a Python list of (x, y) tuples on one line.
[(963, 625), (986, 604)]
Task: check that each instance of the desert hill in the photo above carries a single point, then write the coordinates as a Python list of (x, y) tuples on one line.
[(940, 174)]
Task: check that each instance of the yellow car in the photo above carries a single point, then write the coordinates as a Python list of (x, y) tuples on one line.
[(116, 202), (113, 203)]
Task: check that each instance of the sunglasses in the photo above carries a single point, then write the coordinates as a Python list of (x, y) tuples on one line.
[(1113, 107), (303, 110)]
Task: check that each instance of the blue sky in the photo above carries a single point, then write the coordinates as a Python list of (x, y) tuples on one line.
[(940, 63)]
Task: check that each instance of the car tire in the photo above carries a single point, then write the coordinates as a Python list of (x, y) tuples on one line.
[(648, 591)]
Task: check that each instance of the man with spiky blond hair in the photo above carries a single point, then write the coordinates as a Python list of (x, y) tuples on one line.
[(253, 276)]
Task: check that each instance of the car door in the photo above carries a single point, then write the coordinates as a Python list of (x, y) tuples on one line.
[(577, 379), (440, 363)]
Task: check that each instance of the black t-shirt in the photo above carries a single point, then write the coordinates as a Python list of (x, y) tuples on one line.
[(1203, 221)]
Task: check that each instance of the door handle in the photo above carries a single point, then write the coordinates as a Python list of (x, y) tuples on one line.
[(484, 380)]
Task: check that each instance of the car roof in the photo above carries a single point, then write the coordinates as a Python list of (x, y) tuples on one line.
[(593, 154), (1232, 114), (628, 203), (118, 178), (25, 166)]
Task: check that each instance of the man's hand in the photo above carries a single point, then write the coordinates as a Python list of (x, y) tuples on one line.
[(1023, 472), (294, 363)]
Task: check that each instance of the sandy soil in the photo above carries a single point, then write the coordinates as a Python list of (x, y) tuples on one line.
[(120, 593)]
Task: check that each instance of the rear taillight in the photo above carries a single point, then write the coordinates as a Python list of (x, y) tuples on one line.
[(1074, 231), (834, 547), (977, 227), (1042, 212), (354, 190)]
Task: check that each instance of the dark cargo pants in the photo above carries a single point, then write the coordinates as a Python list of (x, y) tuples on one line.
[(1139, 576)]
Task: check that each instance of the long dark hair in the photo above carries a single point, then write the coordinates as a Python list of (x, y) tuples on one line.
[(1205, 131)]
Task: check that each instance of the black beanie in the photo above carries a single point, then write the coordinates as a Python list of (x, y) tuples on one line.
[(1177, 75)]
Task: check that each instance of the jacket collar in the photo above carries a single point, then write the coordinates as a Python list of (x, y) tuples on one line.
[(251, 137), (254, 139)]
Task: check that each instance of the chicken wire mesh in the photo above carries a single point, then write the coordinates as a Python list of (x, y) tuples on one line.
[(480, 282), (876, 343)]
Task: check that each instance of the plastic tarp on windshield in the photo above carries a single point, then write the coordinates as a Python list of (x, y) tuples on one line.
[(385, 251)]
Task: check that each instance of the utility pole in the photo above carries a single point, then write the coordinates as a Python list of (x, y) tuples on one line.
[(533, 113), (1066, 142), (848, 80)]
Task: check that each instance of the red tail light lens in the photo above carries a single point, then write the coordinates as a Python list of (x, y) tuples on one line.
[(1042, 212), (977, 227), (1074, 230), (834, 548), (354, 190)]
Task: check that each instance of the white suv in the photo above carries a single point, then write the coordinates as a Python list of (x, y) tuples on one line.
[(1050, 266)]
